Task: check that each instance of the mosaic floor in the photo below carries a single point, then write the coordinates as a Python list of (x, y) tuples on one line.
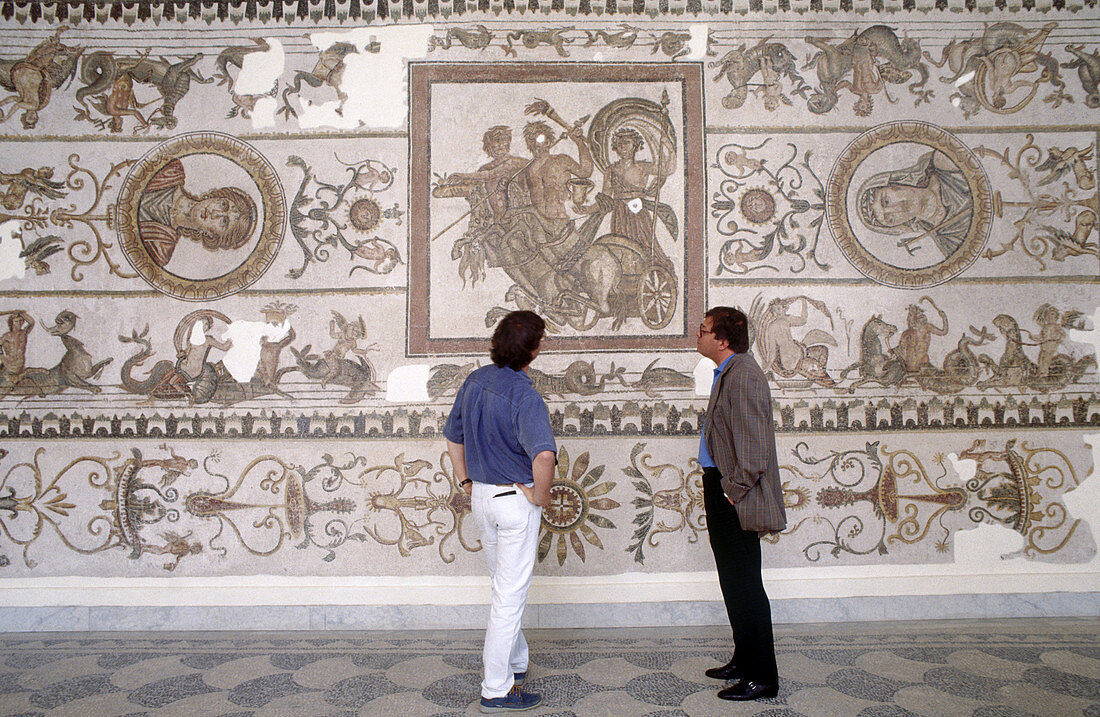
[(987, 668)]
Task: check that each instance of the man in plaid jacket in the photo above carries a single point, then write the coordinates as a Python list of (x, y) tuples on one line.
[(742, 497)]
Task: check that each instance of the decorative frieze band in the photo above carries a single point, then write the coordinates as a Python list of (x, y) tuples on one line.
[(357, 11), (612, 418)]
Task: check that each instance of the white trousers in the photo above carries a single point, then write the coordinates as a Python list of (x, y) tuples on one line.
[(509, 526)]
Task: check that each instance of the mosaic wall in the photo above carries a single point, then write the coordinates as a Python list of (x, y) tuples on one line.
[(236, 304)]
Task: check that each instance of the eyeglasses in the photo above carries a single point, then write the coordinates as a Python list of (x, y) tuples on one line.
[(704, 330)]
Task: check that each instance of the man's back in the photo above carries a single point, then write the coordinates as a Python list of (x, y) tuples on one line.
[(503, 422)]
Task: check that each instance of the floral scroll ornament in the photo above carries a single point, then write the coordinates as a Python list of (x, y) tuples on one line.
[(331, 503), (415, 514), (124, 519), (886, 497), (1019, 487), (39, 186), (326, 217), (1064, 192), (767, 212), (574, 497), (684, 499)]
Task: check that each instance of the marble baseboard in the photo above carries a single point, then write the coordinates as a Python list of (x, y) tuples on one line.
[(601, 615)]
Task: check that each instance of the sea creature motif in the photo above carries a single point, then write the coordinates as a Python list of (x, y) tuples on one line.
[(476, 39), (111, 79), (655, 378), (34, 77), (985, 69), (446, 378), (234, 56), (772, 60), (328, 70), (624, 38), (672, 44), (1014, 367), (192, 376), (874, 57), (1088, 71), (960, 367), (358, 376), (531, 39), (579, 378), (72, 371), (876, 363)]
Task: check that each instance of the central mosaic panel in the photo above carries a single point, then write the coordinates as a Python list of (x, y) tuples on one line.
[(591, 224)]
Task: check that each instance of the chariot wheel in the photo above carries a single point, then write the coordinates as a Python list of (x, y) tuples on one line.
[(657, 294)]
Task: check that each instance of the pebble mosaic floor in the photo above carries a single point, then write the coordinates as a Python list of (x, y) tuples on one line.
[(984, 668)]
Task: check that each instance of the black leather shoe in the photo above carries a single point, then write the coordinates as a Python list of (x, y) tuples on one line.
[(728, 671), (748, 690)]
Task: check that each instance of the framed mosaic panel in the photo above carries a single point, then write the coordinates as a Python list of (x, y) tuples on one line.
[(597, 224)]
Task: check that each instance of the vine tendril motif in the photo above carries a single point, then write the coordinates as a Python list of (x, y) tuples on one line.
[(684, 498), (1036, 232), (752, 195), (81, 252), (321, 226)]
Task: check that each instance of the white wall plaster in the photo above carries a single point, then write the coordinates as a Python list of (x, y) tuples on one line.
[(244, 355), (994, 577), (408, 384), (373, 81), (697, 45), (259, 73), (1084, 501), (260, 70), (263, 114), (704, 376), (11, 266), (1090, 336), (978, 546)]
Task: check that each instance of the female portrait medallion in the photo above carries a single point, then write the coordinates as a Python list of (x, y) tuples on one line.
[(201, 216), (909, 205)]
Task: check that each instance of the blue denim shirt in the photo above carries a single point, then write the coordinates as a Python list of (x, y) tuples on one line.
[(502, 422)]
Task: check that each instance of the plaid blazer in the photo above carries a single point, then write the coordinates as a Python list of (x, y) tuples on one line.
[(740, 436)]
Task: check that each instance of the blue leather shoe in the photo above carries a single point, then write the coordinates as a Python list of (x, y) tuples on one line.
[(514, 701)]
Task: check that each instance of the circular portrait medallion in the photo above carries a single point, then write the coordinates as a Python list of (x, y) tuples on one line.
[(201, 216), (909, 205)]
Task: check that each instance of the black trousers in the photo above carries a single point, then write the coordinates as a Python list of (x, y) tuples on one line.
[(737, 557)]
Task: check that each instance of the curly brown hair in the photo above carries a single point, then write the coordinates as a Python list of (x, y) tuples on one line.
[(516, 339)]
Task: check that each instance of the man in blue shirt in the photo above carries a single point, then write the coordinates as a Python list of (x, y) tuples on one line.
[(503, 452)]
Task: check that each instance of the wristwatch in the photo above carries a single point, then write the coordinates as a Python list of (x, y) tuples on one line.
[(466, 482)]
